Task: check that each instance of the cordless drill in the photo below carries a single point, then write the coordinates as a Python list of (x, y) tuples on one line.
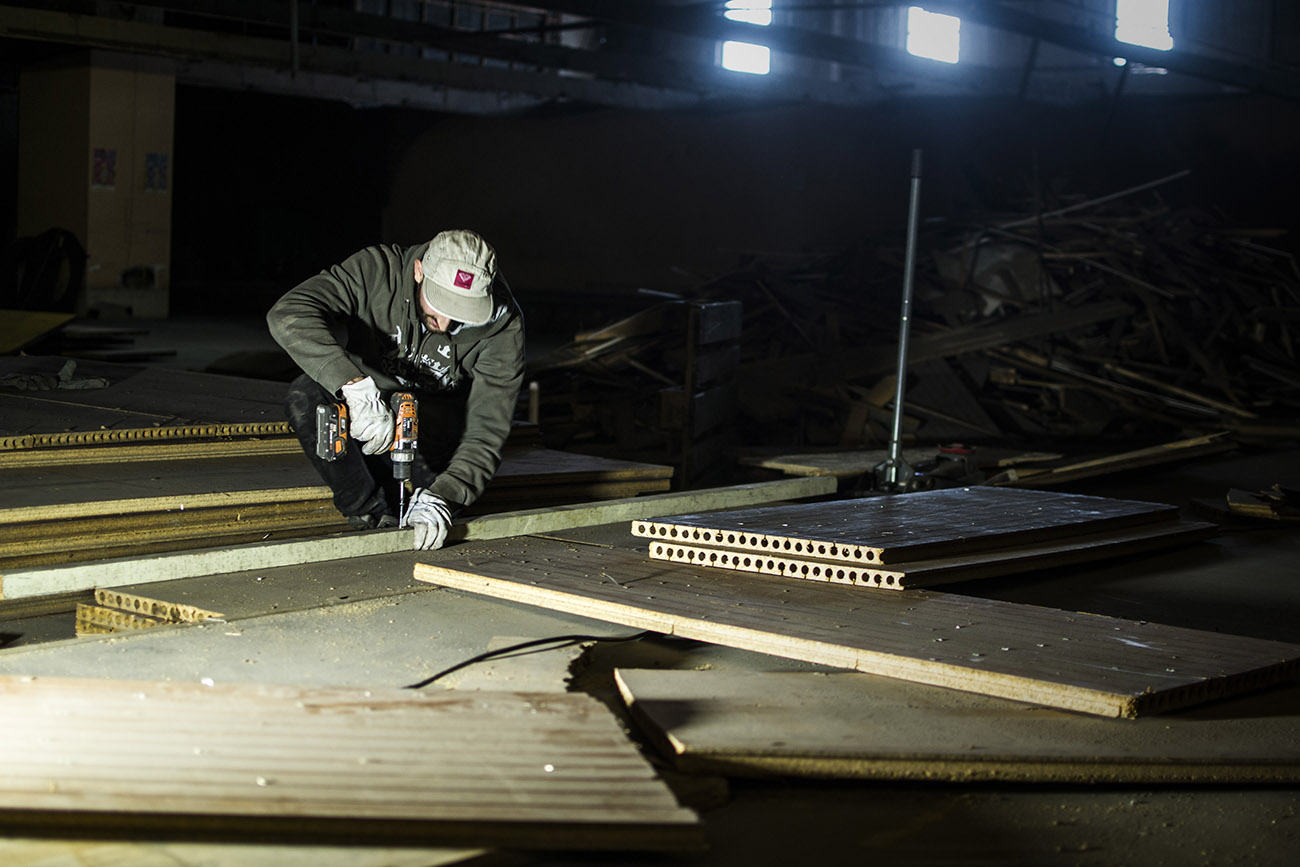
[(332, 439), (406, 433)]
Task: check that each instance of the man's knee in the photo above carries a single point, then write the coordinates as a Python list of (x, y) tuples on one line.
[(300, 402)]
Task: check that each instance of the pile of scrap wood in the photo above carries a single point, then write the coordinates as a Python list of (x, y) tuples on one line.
[(1113, 319)]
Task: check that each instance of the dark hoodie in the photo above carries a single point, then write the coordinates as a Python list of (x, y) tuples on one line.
[(361, 318)]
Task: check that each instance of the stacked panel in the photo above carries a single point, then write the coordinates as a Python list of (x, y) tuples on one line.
[(904, 541)]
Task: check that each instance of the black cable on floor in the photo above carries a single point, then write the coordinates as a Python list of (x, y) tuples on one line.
[(558, 640)]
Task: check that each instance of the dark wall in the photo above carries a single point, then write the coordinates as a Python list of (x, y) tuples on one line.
[(618, 198), (8, 151), (269, 190)]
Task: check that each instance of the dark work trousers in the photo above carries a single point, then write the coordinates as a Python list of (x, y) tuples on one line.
[(363, 484)]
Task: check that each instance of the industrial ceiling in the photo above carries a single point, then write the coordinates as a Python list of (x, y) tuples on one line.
[(489, 57)]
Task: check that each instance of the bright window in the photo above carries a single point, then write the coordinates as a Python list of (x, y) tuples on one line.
[(753, 11), (933, 35), (746, 56), (1143, 22)]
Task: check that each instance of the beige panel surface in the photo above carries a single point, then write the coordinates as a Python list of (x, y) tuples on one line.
[(854, 726), (513, 769), (530, 466), (1084, 662), (31, 852), (899, 527), (943, 570)]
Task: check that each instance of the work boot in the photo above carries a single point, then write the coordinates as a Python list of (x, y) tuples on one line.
[(371, 522)]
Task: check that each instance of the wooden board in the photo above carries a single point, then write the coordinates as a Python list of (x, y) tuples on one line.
[(137, 397), (67, 514), (528, 770), (118, 611), (851, 463), (80, 510), (1083, 662), (132, 453), (944, 570), (25, 582), (1164, 453), (98, 620), (514, 498), (40, 606), (33, 852), (67, 490), (18, 328), (101, 535), (231, 596), (542, 466), (853, 726), (899, 527), (42, 581), (175, 612), (844, 464), (524, 472), (129, 438)]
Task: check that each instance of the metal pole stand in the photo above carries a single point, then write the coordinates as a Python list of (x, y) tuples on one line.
[(895, 475)]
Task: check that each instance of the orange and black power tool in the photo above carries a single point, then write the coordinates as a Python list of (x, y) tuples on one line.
[(331, 431), (332, 439), (405, 439)]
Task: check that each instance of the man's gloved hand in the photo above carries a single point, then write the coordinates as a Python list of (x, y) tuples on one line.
[(370, 419), (430, 516)]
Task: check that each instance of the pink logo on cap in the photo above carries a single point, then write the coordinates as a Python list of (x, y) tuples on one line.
[(464, 280)]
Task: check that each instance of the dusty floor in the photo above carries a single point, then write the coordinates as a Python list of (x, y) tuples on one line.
[(382, 629), (377, 627)]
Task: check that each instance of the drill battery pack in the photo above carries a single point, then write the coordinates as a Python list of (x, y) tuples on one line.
[(331, 431)]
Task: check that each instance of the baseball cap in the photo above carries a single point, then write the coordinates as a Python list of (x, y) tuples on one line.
[(459, 267)]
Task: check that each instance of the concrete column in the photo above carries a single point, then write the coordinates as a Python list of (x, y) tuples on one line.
[(95, 158)]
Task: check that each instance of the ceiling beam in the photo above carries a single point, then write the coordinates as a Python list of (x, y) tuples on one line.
[(606, 79), (706, 21), (205, 57), (1276, 81)]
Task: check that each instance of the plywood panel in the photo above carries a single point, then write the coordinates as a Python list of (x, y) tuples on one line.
[(533, 770), (534, 466), (21, 327), (31, 852), (1074, 661), (851, 726), (137, 397), (169, 484), (132, 452), (899, 527), (944, 570), (20, 582), (524, 473)]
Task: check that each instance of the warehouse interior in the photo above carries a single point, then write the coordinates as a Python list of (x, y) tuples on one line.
[(730, 226)]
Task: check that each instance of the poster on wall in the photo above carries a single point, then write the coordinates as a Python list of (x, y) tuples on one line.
[(104, 170), (155, 173)]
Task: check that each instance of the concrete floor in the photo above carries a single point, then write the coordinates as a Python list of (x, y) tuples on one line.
[(364, 622)]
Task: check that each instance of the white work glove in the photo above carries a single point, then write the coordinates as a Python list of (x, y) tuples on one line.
[(430, 516), (370, 420)]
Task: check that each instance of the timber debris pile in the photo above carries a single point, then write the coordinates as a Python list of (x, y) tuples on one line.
[(1117, 319)]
